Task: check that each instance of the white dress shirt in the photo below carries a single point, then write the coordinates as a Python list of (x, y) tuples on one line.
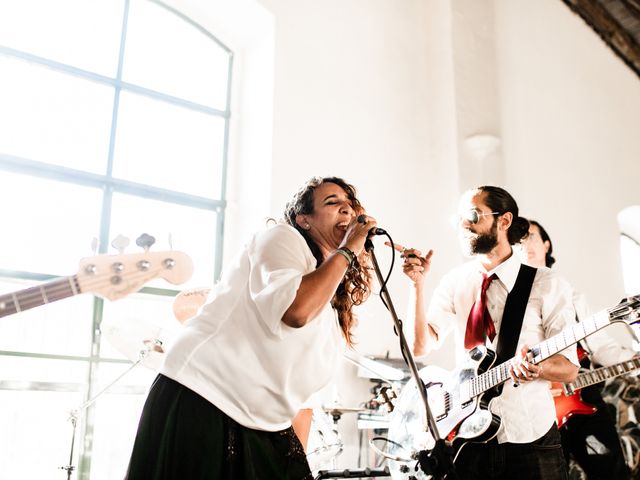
[(238, 354), (527, 412)]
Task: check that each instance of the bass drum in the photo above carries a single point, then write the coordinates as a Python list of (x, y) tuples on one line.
[(324, 443), (407, 433)]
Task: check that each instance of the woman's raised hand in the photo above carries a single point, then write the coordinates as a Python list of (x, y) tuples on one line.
[(357, 234)]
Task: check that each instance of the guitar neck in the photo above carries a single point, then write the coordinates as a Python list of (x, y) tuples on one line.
[(601, 374), (28, 298), (569, 336)]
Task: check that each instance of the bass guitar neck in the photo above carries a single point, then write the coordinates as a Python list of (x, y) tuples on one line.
[(567, 396)]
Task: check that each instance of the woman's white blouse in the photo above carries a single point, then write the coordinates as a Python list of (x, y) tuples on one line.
[(238, 354)]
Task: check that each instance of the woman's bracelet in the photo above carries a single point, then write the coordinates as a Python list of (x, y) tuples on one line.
[(348, 254)]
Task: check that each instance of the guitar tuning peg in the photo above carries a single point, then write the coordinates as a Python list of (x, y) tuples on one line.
[(170, 241), (145, 241), (94, 245), (120, 243)]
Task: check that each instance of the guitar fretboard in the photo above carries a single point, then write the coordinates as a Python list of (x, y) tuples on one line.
[(567, 337), (31, 297), (601, 374)]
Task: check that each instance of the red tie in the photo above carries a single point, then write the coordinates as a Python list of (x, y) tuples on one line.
[(479, 324)]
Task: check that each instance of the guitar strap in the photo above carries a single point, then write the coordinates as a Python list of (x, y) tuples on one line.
[(513, 315)]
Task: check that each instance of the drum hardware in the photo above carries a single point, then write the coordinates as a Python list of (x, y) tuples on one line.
[(126, 337), (387, 395), (336, 411), (372, 421), (427, 461), (436, 461), (381, 445), (359, 473), (149, 346), (383, 395), (324, 443)]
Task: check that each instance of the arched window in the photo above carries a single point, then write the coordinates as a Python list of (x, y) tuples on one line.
[(114, 120)]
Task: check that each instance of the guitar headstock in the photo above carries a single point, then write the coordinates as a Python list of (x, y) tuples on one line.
[(115, 276), (628, 310)]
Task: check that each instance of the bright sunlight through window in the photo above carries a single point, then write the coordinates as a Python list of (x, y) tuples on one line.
[(115, 121)]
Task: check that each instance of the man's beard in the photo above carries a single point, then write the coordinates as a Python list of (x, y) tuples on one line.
[(484, 242)]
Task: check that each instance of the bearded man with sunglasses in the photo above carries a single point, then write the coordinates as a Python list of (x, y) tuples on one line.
[(469, 302)]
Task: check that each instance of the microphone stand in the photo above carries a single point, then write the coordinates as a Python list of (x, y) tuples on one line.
[(437, 462)]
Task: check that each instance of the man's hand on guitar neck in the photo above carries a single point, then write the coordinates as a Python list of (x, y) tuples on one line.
[(556, 368), (522, 370)]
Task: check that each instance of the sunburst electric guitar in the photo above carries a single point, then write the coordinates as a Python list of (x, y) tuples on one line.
[(460, 400), (108, 276)]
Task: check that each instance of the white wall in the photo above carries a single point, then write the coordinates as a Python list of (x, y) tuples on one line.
[(351, 98), (387, 93), (570, 112)]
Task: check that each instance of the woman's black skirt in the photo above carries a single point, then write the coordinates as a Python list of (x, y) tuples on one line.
[(183, 436)]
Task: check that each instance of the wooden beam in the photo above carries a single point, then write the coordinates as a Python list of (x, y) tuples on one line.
[(609, 28)]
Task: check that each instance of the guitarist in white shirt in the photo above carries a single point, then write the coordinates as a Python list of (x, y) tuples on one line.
[(527, 443), (592, 440)]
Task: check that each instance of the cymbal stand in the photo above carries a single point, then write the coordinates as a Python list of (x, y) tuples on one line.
[(335, 416), (438, 462), (150, 345)]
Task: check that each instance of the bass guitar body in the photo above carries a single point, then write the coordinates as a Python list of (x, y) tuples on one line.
[(569, 405)]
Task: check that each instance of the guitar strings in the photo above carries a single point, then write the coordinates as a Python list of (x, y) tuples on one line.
[(62, 285), (486, 380)]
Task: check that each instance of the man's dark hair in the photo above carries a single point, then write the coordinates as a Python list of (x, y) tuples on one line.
[(501, 201)]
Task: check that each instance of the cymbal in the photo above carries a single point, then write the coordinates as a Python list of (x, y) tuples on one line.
[(188, 302), (371, 368), (139, 341), (340, 409)]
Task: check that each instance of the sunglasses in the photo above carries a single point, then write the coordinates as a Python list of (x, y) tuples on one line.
[(473, 216)]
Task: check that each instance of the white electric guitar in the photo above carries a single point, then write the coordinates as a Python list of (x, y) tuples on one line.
[(107, 276), (460, 400)]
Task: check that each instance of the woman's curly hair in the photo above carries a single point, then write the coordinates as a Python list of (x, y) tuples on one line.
[(356, 284)]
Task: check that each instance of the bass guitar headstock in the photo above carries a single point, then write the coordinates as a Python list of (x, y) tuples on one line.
[(115, 276)]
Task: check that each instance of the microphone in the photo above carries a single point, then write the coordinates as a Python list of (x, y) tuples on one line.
[(375, 230)]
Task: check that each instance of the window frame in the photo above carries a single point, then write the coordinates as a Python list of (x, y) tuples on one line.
[(110, 185)]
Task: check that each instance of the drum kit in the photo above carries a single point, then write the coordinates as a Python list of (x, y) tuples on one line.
[(144, 344)]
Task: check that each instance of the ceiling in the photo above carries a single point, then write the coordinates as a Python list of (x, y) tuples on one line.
[(617, 22)]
